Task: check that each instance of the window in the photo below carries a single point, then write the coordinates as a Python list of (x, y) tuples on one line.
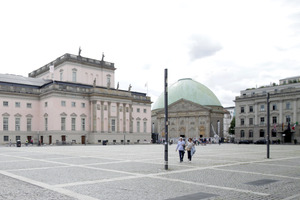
[(5, 138), (46, 104), (82, 105), (63, 123), (73, 124), (242, 133), (138, 126), (73, 104), (5, 123), (127, 109), (5, 103), (250, 108), (262, 107), (262, 121), (18, 137), (145, 127), (250, 133), (242, 122), (63, 103), (28, 105), (113, 125), (261, 133), (250, 121), (274, 107), (288, 105), (83, 124), (74, 75), (61, 75), (288, 119), (274, 120), (145, 110), (242, 109), (274, 134), (29, 124), (108, 80), (138, 110), (17, 123), (17, 104), (46, 124)]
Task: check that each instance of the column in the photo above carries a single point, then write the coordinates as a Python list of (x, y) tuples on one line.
[(118, 117), (130, 119), (94, 116), (102, 116), (124, 117), (108, 118)]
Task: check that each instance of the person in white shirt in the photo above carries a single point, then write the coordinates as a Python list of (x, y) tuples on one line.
[(180, 147)]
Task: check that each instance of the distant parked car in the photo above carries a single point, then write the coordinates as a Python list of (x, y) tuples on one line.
[(263, 141), (244, 142)]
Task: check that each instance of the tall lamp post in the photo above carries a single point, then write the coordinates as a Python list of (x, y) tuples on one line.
[(166, 119), (268, 125)]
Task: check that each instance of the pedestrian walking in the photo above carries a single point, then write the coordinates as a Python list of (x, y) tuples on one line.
[(189, 147), (180, 147)]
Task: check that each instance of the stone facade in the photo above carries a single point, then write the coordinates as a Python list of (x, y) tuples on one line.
[(75, 103), (251, 113), (188, 119)]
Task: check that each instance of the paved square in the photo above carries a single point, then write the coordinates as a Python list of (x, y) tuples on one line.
[(227, 171)]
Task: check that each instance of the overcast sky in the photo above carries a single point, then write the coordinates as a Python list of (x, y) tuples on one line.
[(226, 45)]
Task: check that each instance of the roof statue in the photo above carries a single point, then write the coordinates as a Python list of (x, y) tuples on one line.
[(118, 86), (102, 56), (79, 52), (129, 88)]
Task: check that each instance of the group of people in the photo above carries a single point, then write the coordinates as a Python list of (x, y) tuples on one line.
[(183, 146)]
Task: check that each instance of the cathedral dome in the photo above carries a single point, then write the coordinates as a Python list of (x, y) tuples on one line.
[(190, 90)]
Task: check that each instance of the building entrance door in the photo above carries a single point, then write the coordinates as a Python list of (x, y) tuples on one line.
[(83, 139), (50, 139)]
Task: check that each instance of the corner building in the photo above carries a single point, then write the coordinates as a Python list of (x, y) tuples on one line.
[(251, 112), (72, 99)]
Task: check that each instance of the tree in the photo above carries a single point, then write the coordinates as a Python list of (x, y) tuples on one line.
[(232, 126)]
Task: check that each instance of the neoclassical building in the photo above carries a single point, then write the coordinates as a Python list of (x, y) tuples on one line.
[(251, 112), (193, 111), (72, 99)]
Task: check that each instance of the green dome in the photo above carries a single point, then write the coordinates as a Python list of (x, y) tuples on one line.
[(190, 90)]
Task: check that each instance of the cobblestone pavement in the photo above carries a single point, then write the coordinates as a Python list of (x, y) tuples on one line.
[(227, 171)]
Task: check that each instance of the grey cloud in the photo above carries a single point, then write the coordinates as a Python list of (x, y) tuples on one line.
[(202, 46)]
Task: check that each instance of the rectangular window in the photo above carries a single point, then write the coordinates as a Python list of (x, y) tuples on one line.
[(138, 126), (250, 133), (145, 110), (242, 109), (274, 120), (138, 110), (82, 105), (127, 109), (242, 133), (274, 107), (17, 123), (63, 103), (28, 105), (274, 134), (250, 108), (288, 105), (46, 104), (261, 133), (29, 124), (18, 137), (288, 119), (46, 124), (242, 122), (83, 124), (17, 104), (60, 76), (5, 123), (113, 125), (63, 123), (73, 104), (73, 122), (145, 127), (5, 138), (250, 121), (262, 107), (5, 103), (262, 121), (74, 75)]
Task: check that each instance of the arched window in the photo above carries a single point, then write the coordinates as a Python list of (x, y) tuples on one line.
[(261, 133), (250, 133), (242, 133)]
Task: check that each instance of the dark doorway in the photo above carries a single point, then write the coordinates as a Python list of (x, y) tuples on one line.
[(50, 139), (63, 139), (83, 139), (287, 136)]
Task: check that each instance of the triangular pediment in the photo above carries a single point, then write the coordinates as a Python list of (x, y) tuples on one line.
[(183, 105)]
